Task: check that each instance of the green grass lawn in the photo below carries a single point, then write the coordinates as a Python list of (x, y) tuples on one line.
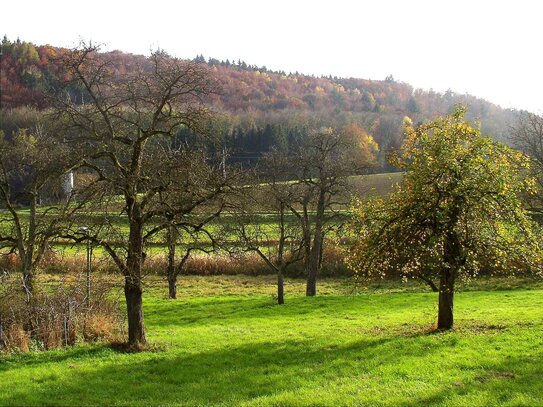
[(225, 342)]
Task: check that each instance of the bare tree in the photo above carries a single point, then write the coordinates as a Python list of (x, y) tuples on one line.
[(33, 166), (527, 136), (123, 128), (278, 242), (189, 238), (194, 199), (320, 169)]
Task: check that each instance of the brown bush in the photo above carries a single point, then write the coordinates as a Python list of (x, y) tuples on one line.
[(58, 262), (57, 315), (9, 263), (248, 264), (101, 327), (16, 337)]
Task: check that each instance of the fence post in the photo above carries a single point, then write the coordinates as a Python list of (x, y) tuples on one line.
[(1, 335), (65, 331), (89, 259)]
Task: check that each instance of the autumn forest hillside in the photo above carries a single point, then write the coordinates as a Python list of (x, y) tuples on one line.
[(263, 108)]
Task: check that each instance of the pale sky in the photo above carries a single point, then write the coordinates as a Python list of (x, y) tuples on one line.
[(490, 49)]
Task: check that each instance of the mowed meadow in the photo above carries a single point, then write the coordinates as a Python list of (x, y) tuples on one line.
[(224, 341)]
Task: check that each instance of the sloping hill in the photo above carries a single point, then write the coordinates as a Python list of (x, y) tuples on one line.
[(265, 108)]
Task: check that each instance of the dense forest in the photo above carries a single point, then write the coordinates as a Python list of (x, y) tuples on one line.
[(261, 108)]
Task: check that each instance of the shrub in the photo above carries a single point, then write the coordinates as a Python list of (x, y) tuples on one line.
[(56, 315)]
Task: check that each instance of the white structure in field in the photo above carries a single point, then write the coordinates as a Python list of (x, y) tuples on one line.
[(68, 184)]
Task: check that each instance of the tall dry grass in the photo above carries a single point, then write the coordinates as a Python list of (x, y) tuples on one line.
[(199, 264), (57, 314)]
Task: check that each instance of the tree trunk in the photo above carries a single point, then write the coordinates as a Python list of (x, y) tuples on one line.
[(452, 260), (136, 330), (446, 294), (27, 253), (312, 269), (311, 286), (133, 290), (280, 287), (28, 281), (313, 265), (172, 287), (172, 272), (316, 250)]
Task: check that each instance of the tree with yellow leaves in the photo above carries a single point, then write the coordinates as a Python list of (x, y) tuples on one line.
[(457, 210)]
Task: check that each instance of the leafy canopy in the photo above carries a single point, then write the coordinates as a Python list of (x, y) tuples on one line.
[(456, 183)]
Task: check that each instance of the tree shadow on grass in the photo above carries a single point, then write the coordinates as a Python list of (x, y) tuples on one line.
[(80, 352), (222, 376), (253, 372)]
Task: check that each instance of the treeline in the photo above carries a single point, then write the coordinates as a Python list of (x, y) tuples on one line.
[(265, 108)]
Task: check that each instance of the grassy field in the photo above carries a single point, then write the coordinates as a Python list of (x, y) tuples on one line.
[(224, 342), (375, 185), (363, 186)]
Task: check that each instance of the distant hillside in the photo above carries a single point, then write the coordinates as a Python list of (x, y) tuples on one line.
[(266, 108)]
